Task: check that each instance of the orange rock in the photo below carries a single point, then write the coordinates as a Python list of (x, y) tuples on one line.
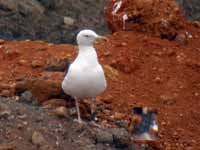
[(107, 99), (143, 3), (118, 116), (61, 111), (37, 63), (181, 38), (22, 62), (54, 64), (136, 118), (11, 53), (5, 93), (2, 41), (196, 24), (43, 88), (55, 102)]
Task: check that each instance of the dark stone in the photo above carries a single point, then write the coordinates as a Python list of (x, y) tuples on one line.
[(103, 136), (5, 111), (116, 136), (26, 96), (120, 137), (52, 4)]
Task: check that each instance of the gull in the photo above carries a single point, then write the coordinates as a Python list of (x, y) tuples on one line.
[(85, 77)]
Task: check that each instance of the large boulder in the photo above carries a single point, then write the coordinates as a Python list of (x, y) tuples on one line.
[(44, 88)]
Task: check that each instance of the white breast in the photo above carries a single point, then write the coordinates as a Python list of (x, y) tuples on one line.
[(85, 77)]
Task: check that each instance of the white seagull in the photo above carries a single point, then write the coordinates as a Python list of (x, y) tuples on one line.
[(85, 77)]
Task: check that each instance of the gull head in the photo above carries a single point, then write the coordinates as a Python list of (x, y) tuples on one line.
[(88, 37)]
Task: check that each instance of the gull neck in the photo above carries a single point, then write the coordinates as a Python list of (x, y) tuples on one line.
[(86, 49), (87, 53)]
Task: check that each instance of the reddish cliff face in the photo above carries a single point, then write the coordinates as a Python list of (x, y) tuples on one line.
[(162, 18)]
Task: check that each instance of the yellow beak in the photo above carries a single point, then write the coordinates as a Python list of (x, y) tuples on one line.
[(101, 38)]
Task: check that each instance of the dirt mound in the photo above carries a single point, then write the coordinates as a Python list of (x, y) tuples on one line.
[(162, 18)]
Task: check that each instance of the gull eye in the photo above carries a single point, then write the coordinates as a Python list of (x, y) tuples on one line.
[(87, 36)]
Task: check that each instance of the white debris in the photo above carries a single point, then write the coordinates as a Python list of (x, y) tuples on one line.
[(189, 35), (124, 18), (68, 21), (116, 7), (154, 126)]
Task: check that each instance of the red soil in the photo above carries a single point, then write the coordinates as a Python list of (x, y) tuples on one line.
[(160, 74)]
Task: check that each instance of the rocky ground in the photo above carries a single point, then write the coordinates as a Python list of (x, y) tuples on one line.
[(31, 127), (142, 68)]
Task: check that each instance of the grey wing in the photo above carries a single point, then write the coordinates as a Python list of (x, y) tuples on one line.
[(102, 77)]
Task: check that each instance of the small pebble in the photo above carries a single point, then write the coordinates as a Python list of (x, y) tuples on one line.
[(62, 111), (158, 80), (124, 44), (38, 139), (37, 63), (22, 62), (196, 94), (2, 41)]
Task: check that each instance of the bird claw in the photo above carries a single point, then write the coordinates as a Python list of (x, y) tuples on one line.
[(94, 124), (94, 117), (79, 121)]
